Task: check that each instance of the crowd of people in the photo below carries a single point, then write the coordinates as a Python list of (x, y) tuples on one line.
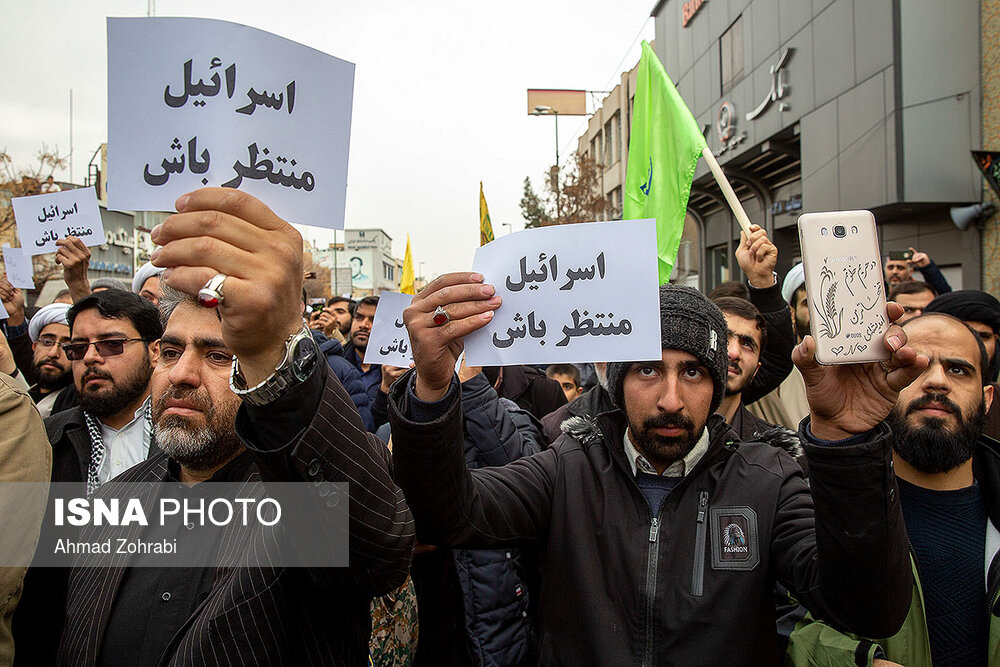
[(733, 502)]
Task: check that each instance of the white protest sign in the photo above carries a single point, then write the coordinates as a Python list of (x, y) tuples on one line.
[(199, 102), (389, 342), (3, 312), (17, 264), (571, 293), (44, 219)]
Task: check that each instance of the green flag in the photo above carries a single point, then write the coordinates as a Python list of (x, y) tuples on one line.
[(663, 152)]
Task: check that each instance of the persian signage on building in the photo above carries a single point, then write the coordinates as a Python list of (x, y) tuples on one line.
[(779, 88)]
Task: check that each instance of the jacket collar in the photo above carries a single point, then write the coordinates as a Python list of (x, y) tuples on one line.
[(612, 425), (64, 421)]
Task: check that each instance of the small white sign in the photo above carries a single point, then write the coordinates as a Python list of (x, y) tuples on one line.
[(222, 104), (44, 219), (571, 293), (389, 342), (20, 271)]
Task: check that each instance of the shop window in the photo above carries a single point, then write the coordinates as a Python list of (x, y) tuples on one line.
[(731, 52), (718, 266), (687, 268)]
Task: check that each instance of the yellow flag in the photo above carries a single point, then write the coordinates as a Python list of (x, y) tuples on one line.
[(406, 277), (485, 226)]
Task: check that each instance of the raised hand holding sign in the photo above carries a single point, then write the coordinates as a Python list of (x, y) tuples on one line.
[(224, 231)]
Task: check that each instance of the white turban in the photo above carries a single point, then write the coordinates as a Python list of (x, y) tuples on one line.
[(145, 272), (54, 312), (794, 279)]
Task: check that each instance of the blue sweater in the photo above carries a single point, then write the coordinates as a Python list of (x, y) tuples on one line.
[(947, 531)]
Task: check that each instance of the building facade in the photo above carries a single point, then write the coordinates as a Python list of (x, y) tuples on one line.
[(606, 141), (990, 74), (832, 105), (368, 255)]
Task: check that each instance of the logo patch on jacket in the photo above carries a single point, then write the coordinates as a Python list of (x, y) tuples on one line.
[(735, 544)]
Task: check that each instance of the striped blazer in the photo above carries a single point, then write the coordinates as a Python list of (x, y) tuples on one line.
[(257, 613)]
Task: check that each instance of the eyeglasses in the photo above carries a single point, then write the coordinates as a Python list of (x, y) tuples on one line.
[(110, 347), (47, 342)]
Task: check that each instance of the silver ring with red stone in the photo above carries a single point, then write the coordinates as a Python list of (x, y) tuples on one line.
[(441, 316), (211, 295)]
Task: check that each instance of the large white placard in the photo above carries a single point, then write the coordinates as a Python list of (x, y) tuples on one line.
[(17, 264), (571, 293), (389, 342), (199, 102), (44, 219)]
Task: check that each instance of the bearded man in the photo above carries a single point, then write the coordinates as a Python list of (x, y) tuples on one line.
[(112, 349), (745, 347), (669, 532), (240, 394), (948, 474), (48, 330)]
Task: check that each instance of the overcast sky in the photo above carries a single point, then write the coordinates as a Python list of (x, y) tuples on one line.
[(439, 98)]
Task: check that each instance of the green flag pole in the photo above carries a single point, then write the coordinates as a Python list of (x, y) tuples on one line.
[(727, 190)]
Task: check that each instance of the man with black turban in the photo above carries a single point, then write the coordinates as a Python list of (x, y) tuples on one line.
[(981, 311)]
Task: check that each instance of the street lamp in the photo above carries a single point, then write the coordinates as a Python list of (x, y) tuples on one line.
[(549, 111), (541, 110)]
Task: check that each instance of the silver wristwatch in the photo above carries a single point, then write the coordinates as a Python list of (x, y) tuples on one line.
[(299, 362)]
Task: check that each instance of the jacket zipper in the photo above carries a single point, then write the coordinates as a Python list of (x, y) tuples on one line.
[(653, 551), (698, 574), (651, 565)]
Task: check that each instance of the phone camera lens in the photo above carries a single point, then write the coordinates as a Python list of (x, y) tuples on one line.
[(839, 231)]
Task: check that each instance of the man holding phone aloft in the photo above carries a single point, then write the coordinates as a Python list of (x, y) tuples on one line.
[(899, 266)]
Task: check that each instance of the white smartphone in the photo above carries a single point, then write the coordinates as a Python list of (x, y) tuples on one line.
[(844, 286)]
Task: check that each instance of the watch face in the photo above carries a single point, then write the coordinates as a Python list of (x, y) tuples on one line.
[(304, 358)]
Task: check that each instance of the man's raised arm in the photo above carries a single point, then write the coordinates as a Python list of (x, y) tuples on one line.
[(309, 430), (860, 578), (489, 506)]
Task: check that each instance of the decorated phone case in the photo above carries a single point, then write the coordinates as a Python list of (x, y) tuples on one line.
[(844, 286)]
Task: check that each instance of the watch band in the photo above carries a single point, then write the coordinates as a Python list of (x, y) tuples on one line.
[(274, 384)]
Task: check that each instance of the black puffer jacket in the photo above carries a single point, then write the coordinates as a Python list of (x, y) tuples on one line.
[(691, 584), (495, 581)]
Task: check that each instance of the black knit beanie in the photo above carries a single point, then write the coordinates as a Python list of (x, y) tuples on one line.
[(689, 322)]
